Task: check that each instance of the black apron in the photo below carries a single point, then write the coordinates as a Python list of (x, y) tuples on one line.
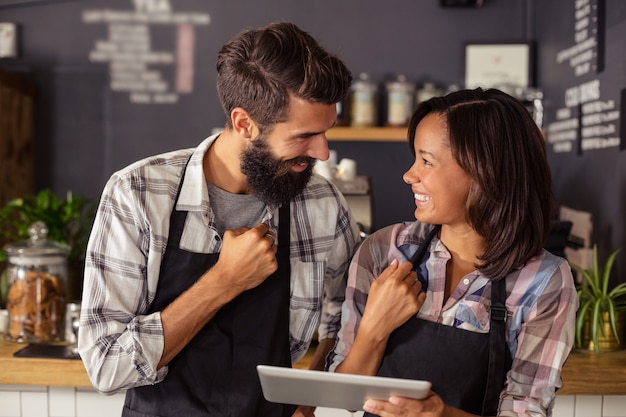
[(467, 369), (215, 374)]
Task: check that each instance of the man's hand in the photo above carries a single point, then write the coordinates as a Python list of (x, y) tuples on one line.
[(247, 258)]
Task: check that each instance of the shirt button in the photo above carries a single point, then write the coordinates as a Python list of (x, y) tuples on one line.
[(483, 322), (466, 281)]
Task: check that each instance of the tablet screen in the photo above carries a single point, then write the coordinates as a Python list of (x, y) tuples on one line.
[(333, 390)]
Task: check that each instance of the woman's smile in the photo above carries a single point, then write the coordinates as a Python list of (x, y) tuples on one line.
[(421, 199)]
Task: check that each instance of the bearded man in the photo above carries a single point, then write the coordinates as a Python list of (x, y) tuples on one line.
[(203, 263)]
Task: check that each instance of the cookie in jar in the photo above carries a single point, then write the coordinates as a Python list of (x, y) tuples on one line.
[(36, 274)]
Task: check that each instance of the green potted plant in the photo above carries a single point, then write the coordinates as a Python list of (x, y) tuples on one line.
[(601, 311), (68, 221)]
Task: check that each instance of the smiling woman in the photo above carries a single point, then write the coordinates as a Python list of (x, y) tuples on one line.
[(440, 185), (482, 191)]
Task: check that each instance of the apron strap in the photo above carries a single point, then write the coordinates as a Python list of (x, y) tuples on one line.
[(418, 257), (284, 231), (177, 223), (497, 352)]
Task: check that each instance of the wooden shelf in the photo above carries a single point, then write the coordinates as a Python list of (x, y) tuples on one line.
[(367, 134)]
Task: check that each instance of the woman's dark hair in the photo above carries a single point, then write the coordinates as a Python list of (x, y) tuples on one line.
[(498, 144), (258, 70)]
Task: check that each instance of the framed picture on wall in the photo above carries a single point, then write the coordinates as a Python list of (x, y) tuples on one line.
[(498, 64)]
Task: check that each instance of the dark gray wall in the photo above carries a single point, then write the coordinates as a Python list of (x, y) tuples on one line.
[(85, 131), (587, 179)]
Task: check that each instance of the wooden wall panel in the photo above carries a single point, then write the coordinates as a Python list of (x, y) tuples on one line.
[(17, 100)]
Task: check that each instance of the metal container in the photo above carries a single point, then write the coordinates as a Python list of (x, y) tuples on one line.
[(36, 276), (72, 318)]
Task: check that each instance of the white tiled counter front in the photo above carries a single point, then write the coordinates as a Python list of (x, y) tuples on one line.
[(48, 401), (41, 401)]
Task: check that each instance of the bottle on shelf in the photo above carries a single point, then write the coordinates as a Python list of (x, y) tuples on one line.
[(363, 109), (399, 103), (427, 91)]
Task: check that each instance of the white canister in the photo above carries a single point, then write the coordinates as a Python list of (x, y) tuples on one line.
[(400, 93), (363, 110), (346, 170), (428, 91)]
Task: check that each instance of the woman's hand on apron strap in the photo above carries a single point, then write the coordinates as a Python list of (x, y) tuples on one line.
[(395, 296)]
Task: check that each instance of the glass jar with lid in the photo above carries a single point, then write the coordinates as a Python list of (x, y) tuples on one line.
[(363, 109), (426, 92), (400, 106), (36, 275)]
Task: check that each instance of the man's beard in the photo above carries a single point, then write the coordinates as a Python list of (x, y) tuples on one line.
[(272, 179)]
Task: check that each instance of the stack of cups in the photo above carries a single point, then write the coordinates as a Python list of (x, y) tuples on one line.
[(346, 170)]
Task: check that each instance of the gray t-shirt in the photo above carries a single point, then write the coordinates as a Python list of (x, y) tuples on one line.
[(234, 210)]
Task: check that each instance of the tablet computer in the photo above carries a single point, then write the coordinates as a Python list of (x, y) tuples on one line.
[(333, 390)]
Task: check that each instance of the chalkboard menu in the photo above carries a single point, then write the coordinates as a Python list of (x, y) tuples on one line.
[(588, 116), (149, 75)]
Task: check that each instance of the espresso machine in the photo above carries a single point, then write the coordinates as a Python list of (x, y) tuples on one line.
[(357, 189), (359, 198)]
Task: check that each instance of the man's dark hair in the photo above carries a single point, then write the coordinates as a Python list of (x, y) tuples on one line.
[(259, 69)]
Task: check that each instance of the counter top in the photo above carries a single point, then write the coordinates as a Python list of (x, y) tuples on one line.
[(49, 372), (587, 373), (583, 374), (38, 371)]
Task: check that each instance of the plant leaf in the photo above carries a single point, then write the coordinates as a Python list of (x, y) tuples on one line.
[(607, 270), (596, 319), (580, 321), (613, 320), (595, 272)]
